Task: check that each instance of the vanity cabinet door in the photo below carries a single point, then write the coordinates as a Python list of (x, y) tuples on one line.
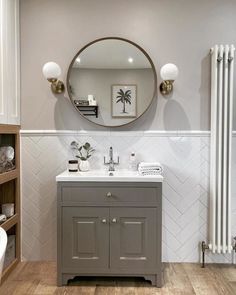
[(133, 238), (85, 238)]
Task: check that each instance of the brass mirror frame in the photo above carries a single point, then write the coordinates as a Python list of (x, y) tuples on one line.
[(112, 38)]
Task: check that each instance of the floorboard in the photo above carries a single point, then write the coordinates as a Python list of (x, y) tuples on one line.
[(39, 278)]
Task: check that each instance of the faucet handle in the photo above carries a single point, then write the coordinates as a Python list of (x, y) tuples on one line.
[(118, 161), (105, 161), (108, 162)]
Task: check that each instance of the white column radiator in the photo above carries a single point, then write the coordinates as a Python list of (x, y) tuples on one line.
[(222, 68)]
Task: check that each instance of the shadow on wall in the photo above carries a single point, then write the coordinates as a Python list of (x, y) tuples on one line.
[(205, 92), (205, 103), (170, 123), (173, 107)]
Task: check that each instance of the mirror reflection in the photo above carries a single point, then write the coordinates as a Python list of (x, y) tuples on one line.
[(111, 82)]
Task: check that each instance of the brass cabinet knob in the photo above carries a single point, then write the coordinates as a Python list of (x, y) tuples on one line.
[(114, 220), (104, 220), (109, 194)]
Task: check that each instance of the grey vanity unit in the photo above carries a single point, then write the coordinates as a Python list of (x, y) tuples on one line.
[(109, 226)]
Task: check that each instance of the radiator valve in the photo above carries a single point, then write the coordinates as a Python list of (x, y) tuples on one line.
[(204, 248), (234, 246)]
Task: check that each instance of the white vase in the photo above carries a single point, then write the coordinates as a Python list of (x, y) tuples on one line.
[(84, 166)]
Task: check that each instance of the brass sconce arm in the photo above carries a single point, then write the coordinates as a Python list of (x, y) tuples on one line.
[(57, 86), (166, 87), (169, 73)]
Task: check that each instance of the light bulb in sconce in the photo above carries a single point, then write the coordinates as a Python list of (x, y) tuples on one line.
[(51, 72), (169, 72)]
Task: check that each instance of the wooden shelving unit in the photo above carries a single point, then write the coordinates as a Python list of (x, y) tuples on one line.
[(10, 191)]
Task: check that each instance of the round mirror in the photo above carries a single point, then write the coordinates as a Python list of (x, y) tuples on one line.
[(111, 81)]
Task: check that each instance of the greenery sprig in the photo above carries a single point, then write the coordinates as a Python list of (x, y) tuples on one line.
[(84, 151)]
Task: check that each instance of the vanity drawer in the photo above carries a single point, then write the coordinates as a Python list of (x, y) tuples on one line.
[(132, 194), (110, 194)]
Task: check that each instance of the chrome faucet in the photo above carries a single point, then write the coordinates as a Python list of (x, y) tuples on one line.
[(111, 161)]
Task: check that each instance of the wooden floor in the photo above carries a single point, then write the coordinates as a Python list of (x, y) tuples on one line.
[(40, 278)]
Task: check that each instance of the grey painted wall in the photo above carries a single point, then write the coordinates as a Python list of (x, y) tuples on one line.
[(180, 31), (99, 81)]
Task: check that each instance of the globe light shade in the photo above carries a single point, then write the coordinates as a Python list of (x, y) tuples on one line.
[(51, 70), (169, 72)]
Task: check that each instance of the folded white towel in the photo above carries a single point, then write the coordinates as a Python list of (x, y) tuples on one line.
[(149, 164), (146, 168), (150, 172), (149, 167)]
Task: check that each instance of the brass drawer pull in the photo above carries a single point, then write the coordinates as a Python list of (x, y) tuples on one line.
[(109, 194), (104, 220), (114, 220)]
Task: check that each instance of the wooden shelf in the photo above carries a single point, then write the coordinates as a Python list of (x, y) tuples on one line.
[(9, 175), (10, 222), (9, 269), (9, 129), (10, 191)]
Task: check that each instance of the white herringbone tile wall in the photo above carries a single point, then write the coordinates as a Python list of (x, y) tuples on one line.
[(185, 189)]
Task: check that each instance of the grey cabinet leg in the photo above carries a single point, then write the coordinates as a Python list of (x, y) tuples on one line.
[(59, 280), (66, 278), (159, 280), (156, 280), (151, 278)]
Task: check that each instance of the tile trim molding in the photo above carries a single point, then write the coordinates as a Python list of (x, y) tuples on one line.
[(149, 133), (26, 132)]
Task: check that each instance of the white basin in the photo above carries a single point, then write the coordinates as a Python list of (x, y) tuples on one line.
[(101, 175)]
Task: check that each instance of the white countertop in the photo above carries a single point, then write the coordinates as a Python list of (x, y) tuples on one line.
[(101, 175)]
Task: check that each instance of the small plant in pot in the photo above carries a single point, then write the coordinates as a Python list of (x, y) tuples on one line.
[(83, 152)]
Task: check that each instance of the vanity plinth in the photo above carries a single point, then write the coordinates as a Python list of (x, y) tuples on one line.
[(109, 226)]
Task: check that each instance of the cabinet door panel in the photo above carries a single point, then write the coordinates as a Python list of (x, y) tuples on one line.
[(85, 237), (133, 238)]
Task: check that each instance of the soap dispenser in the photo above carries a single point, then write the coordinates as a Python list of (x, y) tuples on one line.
[(132, 162)]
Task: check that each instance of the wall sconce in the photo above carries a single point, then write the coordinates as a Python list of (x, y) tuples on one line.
[(169, 73), (52, 71)]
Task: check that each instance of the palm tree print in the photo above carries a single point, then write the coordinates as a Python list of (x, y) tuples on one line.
[(124, 97)]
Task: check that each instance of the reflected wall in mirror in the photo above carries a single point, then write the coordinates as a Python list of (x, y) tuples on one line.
[(111, 81)]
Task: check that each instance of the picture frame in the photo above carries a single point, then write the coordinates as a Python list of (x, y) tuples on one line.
[(124, 101)]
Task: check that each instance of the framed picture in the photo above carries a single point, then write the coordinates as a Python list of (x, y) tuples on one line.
[(124, 101)]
